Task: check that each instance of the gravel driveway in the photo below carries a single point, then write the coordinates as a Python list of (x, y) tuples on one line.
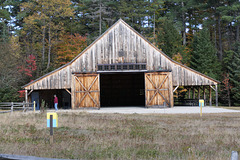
[(174, 110), (143, 110)]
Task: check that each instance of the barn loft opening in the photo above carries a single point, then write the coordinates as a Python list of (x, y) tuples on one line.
[(122, 89)]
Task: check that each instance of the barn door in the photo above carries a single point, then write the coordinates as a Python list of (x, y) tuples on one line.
[(86, 91), (158, 89)]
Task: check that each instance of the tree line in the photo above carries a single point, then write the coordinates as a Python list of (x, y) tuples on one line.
[(38, 36)]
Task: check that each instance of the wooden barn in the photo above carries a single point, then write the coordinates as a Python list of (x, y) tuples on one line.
[(120, 68)]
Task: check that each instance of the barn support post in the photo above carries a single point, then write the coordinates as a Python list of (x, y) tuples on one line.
[(204, 95), (26, 96), (189, 93), (193, 93), (210, 96), (216, 91), (199, 92)]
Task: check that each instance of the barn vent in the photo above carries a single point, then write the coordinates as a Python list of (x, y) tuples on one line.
[(121, 66)]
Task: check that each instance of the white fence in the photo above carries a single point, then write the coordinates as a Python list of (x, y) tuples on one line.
[(16, 106)]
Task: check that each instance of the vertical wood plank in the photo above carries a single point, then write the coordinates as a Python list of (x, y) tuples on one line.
[(199, 92), (193, 92), (73, 92), (189, 93)]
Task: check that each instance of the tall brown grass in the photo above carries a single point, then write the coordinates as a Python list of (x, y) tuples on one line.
[(118, 136)]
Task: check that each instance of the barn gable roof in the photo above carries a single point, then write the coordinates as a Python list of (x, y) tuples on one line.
[(119, 32)]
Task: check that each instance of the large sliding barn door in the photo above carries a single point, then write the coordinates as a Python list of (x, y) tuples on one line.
[(85, 91), (158, 89)]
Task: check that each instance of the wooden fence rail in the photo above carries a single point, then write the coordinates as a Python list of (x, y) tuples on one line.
[(11, 106)]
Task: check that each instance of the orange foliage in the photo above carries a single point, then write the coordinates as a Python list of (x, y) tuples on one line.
[(70, 47), (227, 84), (177, 57)]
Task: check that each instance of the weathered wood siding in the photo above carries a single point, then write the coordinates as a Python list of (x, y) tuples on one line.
[(120, 44)]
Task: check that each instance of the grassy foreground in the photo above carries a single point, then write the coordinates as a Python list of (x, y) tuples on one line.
[(117, 136)]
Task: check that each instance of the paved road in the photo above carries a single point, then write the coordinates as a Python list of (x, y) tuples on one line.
[(20, 157)]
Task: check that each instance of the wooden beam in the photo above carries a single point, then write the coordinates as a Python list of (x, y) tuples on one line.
[(68, 91), (193, 93), (216, 91), (175, 88), (30, 92), (213, 88), (210, 96), (204, 95), (26, 96), (199, 92), (189, 93)]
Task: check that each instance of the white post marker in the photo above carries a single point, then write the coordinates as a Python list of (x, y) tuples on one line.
[(201, 104), (34, 106), (52, 121)]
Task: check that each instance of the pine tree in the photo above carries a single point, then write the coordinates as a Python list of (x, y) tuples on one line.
[(204, 57), (169, 39), (94, 17), (4, 20), (234, 75)]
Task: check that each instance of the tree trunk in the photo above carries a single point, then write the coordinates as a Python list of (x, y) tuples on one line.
[(43, 43), (184, 26), (229, 99), (220, 39), (49, 45), (228, 92), (100, 21), (154, 42), (237, 33), (215, 36), (230, 36)]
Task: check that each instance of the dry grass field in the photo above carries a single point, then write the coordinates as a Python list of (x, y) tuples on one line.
[(118, 136), (233, 108)]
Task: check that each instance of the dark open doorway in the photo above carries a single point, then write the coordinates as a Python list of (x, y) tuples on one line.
[(64, 98), (122, 89)]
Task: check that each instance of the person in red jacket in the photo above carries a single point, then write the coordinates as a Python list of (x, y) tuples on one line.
[(55, 102)]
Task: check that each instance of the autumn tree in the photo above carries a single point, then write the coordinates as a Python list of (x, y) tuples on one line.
[(69, 47), (43, 26)]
